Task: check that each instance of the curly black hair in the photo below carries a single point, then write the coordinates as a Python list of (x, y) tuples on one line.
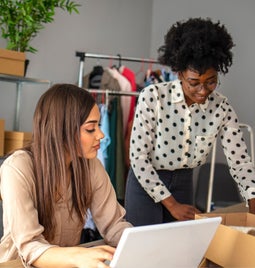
[(197, 44)]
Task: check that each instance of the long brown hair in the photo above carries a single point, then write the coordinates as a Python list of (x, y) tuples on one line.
[(59, 113)]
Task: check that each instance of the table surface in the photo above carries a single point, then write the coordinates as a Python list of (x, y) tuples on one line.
[(235, 208)]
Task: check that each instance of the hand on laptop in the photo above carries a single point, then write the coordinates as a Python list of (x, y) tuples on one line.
[(180, 211), (97, 257)]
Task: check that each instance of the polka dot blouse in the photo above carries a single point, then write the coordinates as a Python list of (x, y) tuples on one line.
[(167, 134)]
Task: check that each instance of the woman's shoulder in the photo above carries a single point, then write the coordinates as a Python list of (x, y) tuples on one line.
[(18, 155), (218, 98), (16, 172), (19, 159), (96, 166), (98, 173)]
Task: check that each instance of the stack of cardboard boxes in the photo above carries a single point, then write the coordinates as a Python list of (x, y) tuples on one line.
[(11, 140)]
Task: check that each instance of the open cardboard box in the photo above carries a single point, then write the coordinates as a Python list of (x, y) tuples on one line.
[(231, 247)]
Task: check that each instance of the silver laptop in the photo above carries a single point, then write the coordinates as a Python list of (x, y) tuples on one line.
[(176, 244)]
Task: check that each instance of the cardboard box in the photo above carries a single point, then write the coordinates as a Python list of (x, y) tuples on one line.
[(231, 247), (14, 140), (2, 137), (12, 62)]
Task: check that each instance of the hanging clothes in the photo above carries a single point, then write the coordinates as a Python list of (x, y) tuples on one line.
[(120, 111), (105, 142), (123, 85), (110, 163), (93, 79)]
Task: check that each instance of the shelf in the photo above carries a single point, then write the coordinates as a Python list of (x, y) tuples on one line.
[(19, 81)]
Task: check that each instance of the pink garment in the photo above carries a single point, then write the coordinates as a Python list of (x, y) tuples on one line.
[(125, 100)]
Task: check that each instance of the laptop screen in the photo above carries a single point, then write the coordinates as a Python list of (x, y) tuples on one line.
[(175, 244)]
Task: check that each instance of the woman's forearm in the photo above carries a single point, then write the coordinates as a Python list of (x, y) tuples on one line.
[(69, 257)]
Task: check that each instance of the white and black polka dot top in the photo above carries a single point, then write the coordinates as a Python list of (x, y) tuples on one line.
[(167, 134)]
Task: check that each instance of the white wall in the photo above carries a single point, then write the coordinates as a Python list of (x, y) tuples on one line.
[(107, 27)]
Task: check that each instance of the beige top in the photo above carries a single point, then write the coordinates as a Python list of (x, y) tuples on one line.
[(23, 233)]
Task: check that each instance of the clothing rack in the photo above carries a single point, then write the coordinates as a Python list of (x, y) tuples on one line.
[(113, 92), (108, 92), (83, 55)]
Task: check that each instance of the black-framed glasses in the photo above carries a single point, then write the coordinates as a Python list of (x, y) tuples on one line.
[(210, 85)]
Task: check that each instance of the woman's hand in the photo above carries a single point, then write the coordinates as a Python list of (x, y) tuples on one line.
[(180, 211), (79, 257), (95, 257)]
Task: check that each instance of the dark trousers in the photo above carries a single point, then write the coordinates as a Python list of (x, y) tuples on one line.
[(141, 208)]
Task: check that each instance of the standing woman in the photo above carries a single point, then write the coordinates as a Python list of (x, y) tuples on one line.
[(47, 187), (176, 124)]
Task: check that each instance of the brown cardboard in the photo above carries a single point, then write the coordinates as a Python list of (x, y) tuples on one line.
[(12, 62), (230, 247), (2, 137), (208, 264), (14, 140)]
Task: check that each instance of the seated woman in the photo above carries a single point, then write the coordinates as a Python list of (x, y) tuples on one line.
[(48, 186)]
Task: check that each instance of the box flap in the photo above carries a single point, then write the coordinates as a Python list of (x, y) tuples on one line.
[(231, 248), (235, 219)]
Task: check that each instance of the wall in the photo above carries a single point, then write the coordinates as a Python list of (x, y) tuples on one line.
[(107, 27)]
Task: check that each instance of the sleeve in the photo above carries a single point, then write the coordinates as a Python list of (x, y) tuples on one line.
[(107, 213), (142, 140), (21, 213), (235, 150)]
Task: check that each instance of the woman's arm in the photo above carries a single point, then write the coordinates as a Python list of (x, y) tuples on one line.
[(236, 152), (67, 257)]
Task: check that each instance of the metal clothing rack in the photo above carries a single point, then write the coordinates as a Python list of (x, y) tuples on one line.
[(83, 55), (113, 92), (108, 92), (213, 160)]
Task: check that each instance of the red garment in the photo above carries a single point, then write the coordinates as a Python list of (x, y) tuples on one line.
[(130, 75)]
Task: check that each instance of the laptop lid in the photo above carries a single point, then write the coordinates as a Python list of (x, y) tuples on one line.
[(176, 244)]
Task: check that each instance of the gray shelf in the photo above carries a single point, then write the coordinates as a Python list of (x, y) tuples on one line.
[(19, 81)]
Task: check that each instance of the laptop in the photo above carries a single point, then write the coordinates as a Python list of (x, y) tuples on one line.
[(176, 244)]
